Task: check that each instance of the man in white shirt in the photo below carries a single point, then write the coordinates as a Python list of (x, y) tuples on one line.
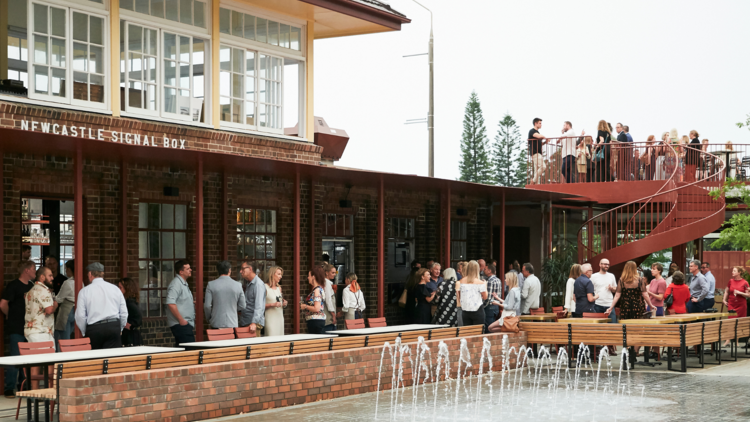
[(101, 313), (330, 298), (532, 288), (569, 143), (605, 286)]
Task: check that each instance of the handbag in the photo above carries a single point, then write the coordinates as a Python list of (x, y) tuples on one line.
[(599, 156), (510, 324), (669, 300), (357, 312), (402, 299)]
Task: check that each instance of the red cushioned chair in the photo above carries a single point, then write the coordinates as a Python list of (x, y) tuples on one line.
[(38, 348), (352, 324), (376, 322), (536, 311), (220, 334), (243, 332), (75, 344)]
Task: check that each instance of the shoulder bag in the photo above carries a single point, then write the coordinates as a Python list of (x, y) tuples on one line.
[(402, 299), (357, 312), (669, 300), (510, 324)]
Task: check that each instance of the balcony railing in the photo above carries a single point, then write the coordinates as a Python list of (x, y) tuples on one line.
[(737, 157), (563, 160)]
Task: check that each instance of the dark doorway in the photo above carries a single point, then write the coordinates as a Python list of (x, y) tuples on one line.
[(517, 244)]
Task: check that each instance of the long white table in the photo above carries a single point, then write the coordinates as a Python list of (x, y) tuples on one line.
[(388, 329), (53, 358), (253, 341)]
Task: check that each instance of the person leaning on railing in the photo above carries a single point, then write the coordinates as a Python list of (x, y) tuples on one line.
[(602, 154), (692, 156)]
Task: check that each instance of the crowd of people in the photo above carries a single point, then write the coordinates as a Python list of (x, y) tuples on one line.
[(470, 294), (640, 292), (612, 156)]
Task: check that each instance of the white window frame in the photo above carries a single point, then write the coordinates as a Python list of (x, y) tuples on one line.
[(87, 9), (163, 58), (244, 100), (164, 25), (141, 111), (260, 48)]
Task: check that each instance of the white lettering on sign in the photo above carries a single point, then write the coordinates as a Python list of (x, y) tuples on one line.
[(140, 139)]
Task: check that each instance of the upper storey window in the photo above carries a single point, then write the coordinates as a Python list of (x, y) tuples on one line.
[(189, 12), (57, 52), (262, 30)]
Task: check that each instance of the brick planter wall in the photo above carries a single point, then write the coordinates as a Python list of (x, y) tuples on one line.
[(214, 390)]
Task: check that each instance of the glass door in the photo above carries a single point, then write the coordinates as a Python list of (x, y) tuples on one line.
[(47, 229)]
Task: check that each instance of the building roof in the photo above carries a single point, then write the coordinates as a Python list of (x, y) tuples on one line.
[(381, 5)]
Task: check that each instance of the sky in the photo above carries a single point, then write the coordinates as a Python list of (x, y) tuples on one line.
[(652, 65)]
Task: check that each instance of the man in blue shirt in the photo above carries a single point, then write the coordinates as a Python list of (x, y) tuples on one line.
[(583, 290), (626, 128), (698, 289), (180, 305), (709, 301)]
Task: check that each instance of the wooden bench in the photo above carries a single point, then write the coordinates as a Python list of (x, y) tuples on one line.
[(671, 336)]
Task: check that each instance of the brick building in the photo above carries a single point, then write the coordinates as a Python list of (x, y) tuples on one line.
[(140, 165)]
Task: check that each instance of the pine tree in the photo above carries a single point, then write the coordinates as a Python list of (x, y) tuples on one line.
[(475, 163), (523, 166), (508, 158)]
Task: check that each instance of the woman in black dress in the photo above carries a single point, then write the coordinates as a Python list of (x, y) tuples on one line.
[(602, 162), (418, 298), (131, 335)]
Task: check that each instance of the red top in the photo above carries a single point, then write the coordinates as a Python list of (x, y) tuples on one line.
[(736, 302), (680, 294)]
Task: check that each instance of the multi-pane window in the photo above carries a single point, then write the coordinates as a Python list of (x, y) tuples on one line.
[(239, 85), (162, 72), (162, 236), (338, 225), (189, 12), (139, 72), (270, 93), (259, 29), (54, 32), (88, 57), (256, 235), (184, 58), (458, 242), (400, 228)]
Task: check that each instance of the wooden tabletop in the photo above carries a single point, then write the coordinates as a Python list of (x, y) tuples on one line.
[(254, 340), (650, 321), (584, 320), (539, 317), (387, 329), (696, 317), (52, 358)]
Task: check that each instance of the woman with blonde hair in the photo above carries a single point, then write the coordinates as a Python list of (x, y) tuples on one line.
[(512, 301), (352, 298), (275, 303), (570, 298), (632, 289), (602, 153), (472, 295)]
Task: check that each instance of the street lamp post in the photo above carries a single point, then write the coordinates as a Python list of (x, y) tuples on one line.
[(431, 111)]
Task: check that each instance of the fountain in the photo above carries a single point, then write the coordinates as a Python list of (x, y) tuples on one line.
[(529, 385)]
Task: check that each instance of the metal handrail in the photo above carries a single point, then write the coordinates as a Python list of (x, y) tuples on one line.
[(717, 172)]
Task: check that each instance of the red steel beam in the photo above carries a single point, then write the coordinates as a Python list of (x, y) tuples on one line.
[(78, 223), (381, 246), (447, 256), (2, 268), (312, 223), (123, 218), (501, 261), (296, 253), (199, 251), (224, 216)]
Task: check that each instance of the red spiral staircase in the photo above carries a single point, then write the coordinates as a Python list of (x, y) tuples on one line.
[(676, 213)]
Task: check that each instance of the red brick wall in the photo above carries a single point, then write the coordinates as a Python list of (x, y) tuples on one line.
[(214, 390), (199, 139)]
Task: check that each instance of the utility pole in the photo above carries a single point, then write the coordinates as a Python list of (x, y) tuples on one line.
[(431, 110)]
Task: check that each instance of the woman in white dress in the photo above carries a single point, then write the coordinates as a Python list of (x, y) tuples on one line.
[(352, 297), (275, 304), (570, 299)]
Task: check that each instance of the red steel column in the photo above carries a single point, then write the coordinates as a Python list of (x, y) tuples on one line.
[(381, 245), (296, 263), (78, 224), (447, 251), (198, 277), (312, 224), (123, 219), (224, 216), (2, 263), (501, 261)]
